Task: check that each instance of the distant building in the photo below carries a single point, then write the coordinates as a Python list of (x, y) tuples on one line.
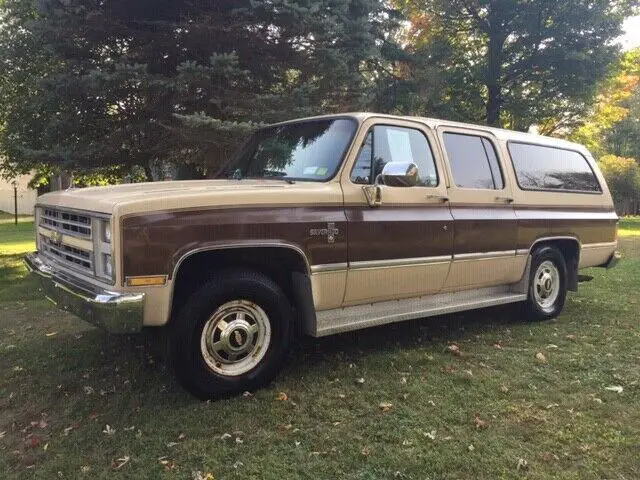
[(26, 196)]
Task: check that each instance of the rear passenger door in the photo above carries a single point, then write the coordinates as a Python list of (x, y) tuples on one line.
[(480, 198)]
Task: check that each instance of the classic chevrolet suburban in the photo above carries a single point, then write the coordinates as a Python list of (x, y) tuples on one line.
[(324, 225)]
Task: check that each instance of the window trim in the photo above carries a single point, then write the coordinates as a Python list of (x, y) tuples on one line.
[(481, 135), (373, 135), (553, 190)]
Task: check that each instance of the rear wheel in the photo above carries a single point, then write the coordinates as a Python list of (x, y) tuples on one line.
[(547, 284), (231, 335)]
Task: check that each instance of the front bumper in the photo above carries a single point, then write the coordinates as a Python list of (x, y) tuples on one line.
[(116, 312)]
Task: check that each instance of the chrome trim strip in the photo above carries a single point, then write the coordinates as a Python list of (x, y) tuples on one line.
[(600, 245), (483, 255), (328, 267), (237, 245), (399, 262), (522, 252)]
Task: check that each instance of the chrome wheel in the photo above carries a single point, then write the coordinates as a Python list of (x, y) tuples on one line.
[(235, 338), (546, 285)]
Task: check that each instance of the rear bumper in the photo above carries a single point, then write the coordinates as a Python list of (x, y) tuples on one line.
[(116, 312), (613, 260)]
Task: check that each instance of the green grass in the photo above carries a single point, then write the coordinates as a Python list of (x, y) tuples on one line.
[(62, 381), (629, 227), (16, 239)]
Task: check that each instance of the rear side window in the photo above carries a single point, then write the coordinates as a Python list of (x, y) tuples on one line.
[(474, 162), (540, 167)]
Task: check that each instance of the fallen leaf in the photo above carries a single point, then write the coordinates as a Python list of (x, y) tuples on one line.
[(120, 462), (51, 334), (549, 456), (366, 451), (2, 434), (88, 390), (42, 424), (471, 448), (46, 446), (615, 388), (282, 397), (247, 394), (469, 372), (283, 428), (239, 440), (85, 469), (430, 435), (480, 423), (296, 443), (570, 337), (93, 416), (202, 476), (360, 380), (552, 346), (238, 464), (522, 464), (385, 406), (108, 430), (406, 443), (172, 444), (182, 436), (504, 388), (552, 405), (498, 345), (541, 358), (454, 349), (224, 436)]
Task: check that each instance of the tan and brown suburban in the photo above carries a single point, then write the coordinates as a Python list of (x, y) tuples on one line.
[(324, 225)]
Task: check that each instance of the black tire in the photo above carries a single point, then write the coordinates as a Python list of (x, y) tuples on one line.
[(537, 307), (203, 307)]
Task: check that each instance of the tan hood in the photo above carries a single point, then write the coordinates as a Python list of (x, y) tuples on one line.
[(157, 196)]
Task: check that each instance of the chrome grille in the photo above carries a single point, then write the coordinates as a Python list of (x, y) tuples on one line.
[(69, 223), (66, 254)]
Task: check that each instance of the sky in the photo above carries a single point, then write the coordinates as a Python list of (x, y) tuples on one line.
[(631, 38)]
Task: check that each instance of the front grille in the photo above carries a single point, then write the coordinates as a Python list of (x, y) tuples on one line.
[(69, 223), (55, 241), (66, 254)]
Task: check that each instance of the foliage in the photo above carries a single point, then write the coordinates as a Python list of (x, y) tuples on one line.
[(623, 177), (514, 63), (93, 84), (613, 124)]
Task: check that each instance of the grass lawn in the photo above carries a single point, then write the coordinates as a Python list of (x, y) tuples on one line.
[(492, 411), (629, 227)]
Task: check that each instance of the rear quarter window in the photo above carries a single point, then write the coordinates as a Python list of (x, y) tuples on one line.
[(539, 167)]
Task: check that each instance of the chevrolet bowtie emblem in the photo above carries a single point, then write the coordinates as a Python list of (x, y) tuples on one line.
[(331, 231), (55, 237)]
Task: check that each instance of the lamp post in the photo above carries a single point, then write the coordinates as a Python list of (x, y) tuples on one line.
[(15, 201)]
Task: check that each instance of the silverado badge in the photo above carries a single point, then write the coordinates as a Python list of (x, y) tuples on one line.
[(331, 231)]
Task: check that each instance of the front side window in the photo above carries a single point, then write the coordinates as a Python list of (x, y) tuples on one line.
[(386, 143), (310, 150), (474, 162), (548, 168)]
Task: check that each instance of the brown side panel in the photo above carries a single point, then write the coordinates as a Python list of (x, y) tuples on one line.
[(153, 243), (478, 229), (589, 226), (394, 232)]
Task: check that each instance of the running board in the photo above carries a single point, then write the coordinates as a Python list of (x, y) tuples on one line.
[(345, 319)]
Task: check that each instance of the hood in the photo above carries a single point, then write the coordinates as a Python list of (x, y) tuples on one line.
[(135, 197)]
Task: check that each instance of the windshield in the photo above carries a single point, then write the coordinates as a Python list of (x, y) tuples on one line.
[(311, 150)]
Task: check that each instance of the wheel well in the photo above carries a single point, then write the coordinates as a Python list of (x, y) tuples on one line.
[(570, 250), (284, 266)]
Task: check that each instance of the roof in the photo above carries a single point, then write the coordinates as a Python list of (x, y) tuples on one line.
[(499, 133)]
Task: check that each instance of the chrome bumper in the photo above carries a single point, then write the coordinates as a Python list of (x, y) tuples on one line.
[(112, 311)]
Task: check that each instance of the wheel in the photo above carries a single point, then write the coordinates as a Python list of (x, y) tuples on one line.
[(547, 284), (232, 335)]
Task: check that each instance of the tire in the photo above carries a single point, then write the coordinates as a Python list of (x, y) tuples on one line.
[(547, 284), (232, 335)]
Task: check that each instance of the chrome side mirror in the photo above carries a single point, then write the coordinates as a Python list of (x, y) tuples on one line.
[(399, 174)]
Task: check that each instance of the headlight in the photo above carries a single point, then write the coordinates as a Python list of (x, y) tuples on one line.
[(106, 229)]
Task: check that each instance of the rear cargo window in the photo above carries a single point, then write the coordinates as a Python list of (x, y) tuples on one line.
[(540, 167)]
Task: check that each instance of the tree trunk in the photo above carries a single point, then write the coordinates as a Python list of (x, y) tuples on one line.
[(493, 106)]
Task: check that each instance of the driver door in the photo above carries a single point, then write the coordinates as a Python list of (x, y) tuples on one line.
[(403, 247)]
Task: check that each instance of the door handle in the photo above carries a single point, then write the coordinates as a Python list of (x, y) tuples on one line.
[(442, 198), (505, 199)]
